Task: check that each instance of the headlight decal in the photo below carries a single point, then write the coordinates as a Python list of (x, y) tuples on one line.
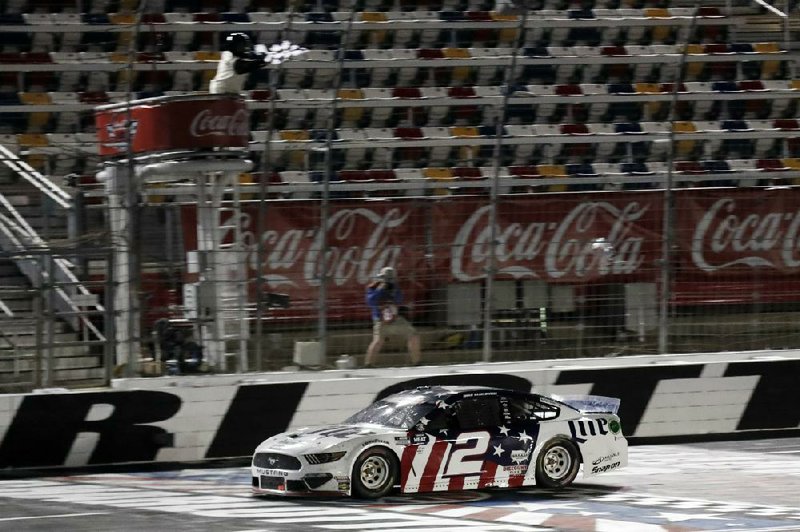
[(323, 458)]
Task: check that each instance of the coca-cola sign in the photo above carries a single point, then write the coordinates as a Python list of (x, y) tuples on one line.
[(209, 122), (179, 123), (730, 233), (725, 241), (574, 241)]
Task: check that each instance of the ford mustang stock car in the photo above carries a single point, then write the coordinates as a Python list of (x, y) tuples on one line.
[(446, 438)]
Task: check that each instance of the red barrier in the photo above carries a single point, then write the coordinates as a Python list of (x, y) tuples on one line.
[(173, 123)]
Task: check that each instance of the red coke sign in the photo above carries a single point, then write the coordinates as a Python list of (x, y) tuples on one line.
[(173, 123)]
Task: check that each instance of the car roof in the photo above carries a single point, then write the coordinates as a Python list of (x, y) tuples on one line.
[(439, 392)]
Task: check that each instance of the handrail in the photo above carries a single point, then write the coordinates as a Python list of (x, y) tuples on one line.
[(18, 236), (32, 176)]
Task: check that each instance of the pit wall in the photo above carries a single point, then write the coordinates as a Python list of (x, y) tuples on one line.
[(666, 398)]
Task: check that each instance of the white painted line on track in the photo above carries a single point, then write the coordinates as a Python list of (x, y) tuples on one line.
[(608, 525), (410, 522), (459, 512), (784, 452), (51, 516), (526, 518), (348, 518)]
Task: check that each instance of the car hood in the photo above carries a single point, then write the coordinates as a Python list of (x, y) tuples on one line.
[(316, 439)]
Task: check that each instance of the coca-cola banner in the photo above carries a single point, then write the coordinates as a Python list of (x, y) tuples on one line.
[(568, 238), (173, 123), (740, 233), (360, 240), (728, 243)]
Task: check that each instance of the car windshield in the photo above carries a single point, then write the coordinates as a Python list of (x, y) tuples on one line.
[(401, 412)]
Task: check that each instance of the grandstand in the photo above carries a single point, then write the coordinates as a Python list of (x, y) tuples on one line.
[(418, 101)]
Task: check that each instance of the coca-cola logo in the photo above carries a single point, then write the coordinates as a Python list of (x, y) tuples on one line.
[(353, 246), (725, 237), (207, 123), (576, 246)]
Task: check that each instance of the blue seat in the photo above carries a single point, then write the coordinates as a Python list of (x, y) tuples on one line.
[(628, 128), (235, 17), (725, 86)]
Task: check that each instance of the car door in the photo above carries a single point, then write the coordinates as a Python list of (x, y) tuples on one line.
[(452, 444), (511, 453)]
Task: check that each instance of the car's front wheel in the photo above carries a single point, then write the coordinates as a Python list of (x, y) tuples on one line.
[(375, 472), (557, 463)]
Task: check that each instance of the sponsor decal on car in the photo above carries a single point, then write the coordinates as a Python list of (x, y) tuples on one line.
[(272, 472), (605, 458), (604, 468), (583, 428), (520, 455), (419, 439)]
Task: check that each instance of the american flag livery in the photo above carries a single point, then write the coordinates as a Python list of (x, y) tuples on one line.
[(496, 457), (447, 438)]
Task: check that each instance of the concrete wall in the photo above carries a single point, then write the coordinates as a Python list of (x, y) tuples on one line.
[(168, 419)]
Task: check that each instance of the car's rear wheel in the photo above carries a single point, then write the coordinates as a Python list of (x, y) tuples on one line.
[(374, 473), (557, 463)]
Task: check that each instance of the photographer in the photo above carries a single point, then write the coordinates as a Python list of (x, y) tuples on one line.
[(384, 298)]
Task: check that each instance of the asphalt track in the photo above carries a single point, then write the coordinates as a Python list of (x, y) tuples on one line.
[(720, 486)]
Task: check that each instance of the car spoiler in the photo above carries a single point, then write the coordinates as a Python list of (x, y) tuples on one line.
[(590, 404)]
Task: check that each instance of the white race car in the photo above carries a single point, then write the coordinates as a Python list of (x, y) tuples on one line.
[(446, 438)]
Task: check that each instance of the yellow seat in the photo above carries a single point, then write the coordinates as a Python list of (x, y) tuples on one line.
[(438, 174), (684, 127), (350, 94), (39, 122), (373, 16), (464, 131), (553, 170), (352, 116), (35, 98), (795, 85), (38, 161), (766, 48), (695, 49), (246, 178), (792, 164), (32, 140), (648, 88), (456, 53), (203, 55), (657, 12), (294, 134), (119, 57), (122, 18)]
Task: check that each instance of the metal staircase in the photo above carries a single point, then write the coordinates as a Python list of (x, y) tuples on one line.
[(44, 307)]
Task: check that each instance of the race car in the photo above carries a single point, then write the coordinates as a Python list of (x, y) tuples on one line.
[(446, 438)]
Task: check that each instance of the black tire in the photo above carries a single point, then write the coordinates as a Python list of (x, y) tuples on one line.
[(557, 463), (375, 473)]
